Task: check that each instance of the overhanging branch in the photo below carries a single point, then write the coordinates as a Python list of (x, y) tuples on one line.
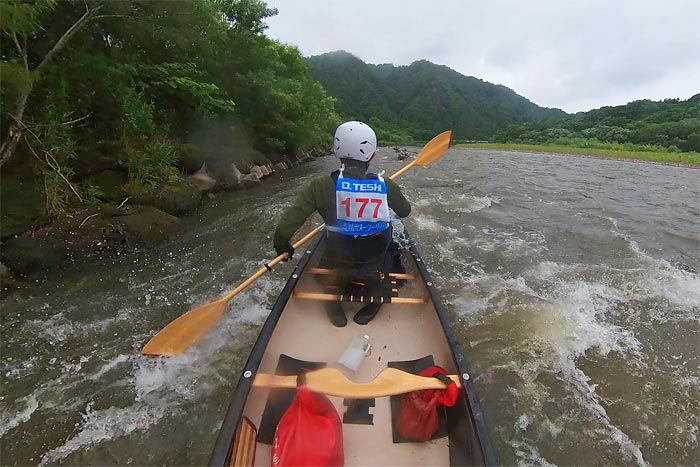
[(87, 16)]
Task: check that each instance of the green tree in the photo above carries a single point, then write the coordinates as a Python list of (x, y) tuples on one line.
[(21, 23)]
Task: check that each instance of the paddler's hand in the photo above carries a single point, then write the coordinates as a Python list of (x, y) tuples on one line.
[(289, 249)]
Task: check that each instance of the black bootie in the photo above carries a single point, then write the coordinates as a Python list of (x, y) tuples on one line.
[(336, 315), (367, 313)]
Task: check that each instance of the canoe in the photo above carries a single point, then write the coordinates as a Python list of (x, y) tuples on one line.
[(410, 333)]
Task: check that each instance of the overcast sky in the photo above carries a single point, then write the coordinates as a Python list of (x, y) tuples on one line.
[(573, 55)]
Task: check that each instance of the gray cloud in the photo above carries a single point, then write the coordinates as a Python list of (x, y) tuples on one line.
[(574, 55)]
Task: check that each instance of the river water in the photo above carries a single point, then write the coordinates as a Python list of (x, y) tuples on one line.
[(572, 281)]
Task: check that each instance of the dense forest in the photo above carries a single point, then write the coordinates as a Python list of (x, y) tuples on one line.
[(672, 124), (418, 101), (147, 91)]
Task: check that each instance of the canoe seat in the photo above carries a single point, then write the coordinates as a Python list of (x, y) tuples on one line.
[(243, 451), (329, 297), (387, 292), (330, 272)]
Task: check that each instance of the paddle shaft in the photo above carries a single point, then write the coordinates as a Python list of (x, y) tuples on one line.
[(268, 267), (404, 169)]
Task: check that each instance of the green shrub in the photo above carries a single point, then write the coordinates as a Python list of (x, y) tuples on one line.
[(153, 165)]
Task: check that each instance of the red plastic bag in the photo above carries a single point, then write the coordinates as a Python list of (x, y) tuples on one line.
[(418, 418), (310, 433)]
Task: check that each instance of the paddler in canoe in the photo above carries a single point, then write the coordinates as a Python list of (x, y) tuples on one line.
[(354, 204)]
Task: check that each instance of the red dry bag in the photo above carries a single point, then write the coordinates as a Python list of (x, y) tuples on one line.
[(309, 434), (418, 417)]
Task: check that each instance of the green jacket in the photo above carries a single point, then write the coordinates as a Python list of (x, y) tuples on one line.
[(319, 196)]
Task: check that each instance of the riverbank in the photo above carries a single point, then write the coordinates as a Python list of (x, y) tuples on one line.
[(117, 225), (689, 159)]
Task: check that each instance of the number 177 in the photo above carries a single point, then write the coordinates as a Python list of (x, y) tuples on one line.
[(363, 202)]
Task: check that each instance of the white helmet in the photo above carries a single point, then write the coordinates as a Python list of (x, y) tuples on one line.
[(355, 140)]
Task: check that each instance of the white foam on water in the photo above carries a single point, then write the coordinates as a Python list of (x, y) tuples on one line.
[(678, 287), (509, 244), (550, 331), (464, 203), (101, 425), (522, 423), (109, 366), (467, 204), (588, 398), (578, 311), (652, 279), (488, 292), (431, 224), (59, 327), (160, 386), (528, 454), (254, 304), (662, 280), (20, 369), (8, 421)]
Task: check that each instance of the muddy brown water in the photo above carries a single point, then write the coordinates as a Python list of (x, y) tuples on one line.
[(573, 283)]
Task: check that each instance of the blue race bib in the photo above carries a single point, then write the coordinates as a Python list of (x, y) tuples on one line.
[(361, 206)]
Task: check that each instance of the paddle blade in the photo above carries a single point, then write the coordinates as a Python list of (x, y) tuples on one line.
[(180, 334), (435, 148)]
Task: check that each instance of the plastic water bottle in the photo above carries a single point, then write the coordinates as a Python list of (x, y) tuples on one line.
[(355, 352)]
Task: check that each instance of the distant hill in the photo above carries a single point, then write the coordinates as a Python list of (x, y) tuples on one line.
[(672, 123), (422, 99)]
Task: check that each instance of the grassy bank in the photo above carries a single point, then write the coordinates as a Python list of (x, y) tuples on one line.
[(687, 158)]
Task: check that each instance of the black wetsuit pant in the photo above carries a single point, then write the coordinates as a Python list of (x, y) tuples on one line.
[(360, 261)]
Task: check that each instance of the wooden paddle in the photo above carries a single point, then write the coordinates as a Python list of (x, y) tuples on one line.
[(186, 330), (330, 381)]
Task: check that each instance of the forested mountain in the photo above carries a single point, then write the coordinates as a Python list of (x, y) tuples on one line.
[(672, 123), (420, 100)]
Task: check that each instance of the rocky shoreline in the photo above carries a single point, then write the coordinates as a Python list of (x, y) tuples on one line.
[(117, 227)]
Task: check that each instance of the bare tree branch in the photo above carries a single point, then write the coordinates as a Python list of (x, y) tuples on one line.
[(52, 163), (88, 217), (22, 50), (111, 16), (14, 39), (38, 125), (87, 16)]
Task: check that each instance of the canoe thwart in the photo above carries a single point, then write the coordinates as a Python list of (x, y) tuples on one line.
[(331, 272), (327, 297), (332, 382)]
